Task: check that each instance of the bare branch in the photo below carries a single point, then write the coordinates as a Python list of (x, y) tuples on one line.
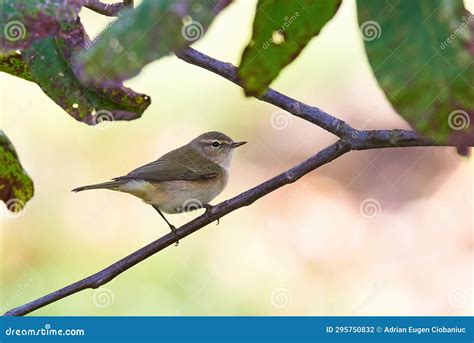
[(312, 114), (359, 140), (110, 10), (351, 139), (379, 139)]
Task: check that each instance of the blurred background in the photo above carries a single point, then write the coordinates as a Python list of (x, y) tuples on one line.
[(383, 232)]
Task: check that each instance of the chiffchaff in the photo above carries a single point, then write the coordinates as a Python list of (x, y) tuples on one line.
[(184, 179)]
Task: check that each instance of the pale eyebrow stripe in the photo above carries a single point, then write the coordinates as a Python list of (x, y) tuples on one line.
[(214, 140)]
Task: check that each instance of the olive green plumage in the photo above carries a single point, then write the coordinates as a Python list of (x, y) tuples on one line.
[(192, 174)]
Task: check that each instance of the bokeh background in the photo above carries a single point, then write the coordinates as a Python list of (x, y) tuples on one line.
[(383, 232)]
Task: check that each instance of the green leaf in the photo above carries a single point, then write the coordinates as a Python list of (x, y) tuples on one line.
[(153, 30), (16, 187), (15, 65), (48, 63), (281, 29), (25, 22), (419, 52)]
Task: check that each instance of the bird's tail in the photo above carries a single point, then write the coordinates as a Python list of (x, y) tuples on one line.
[(104, 185)]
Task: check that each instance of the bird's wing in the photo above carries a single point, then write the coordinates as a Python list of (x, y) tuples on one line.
[(164, 170)]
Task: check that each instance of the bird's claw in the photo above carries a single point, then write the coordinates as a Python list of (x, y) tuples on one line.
[(173, 230), (208, 208), (172, 227)]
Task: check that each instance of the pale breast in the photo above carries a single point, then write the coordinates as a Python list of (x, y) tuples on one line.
[(178, 195)]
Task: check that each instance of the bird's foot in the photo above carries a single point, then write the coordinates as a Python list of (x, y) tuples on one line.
[(208, 208), (173, 230)]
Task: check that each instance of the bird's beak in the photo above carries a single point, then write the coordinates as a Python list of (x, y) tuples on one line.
[(236, 144)]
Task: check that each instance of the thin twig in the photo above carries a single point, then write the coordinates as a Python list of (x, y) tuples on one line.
[(110, 10), (310, 113), (357, 139)]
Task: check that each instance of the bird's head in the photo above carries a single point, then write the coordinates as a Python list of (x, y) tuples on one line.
[(216, 146)]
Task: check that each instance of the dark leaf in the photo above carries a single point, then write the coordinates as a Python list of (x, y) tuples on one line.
[(25, 22), (48, 63), (422, 56), (16, 187), (153, 30), (281, 29)]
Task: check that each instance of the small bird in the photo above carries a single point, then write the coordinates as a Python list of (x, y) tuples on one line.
[(182, 180)]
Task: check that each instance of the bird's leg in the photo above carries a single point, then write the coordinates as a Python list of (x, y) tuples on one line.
[(172, 227), (208, 208)]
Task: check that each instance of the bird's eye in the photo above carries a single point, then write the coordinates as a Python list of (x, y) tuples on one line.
[(215, 144)]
